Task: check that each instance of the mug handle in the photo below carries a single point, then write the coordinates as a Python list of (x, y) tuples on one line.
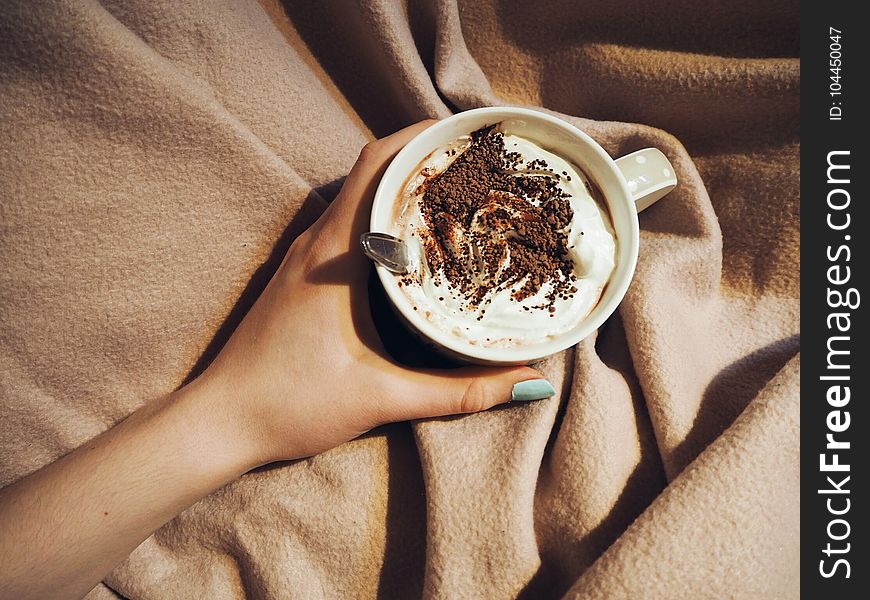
[(649, 174)]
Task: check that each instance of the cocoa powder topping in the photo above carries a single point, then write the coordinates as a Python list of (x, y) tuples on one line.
[(493, 226)]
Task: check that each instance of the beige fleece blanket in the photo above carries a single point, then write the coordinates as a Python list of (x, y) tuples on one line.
[(158, 157)]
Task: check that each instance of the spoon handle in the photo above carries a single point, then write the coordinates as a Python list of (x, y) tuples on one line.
[(386, 250)]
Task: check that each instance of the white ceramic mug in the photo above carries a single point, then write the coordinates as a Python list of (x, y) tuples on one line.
[(628, 184)]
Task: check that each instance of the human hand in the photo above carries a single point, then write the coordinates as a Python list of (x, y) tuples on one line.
[(305, 370)]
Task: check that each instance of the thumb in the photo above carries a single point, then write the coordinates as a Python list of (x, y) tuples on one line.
[(420, 394)]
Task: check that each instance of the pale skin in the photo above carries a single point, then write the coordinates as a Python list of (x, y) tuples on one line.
[(304, 372)]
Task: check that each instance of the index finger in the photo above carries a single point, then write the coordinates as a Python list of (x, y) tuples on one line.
[(348, 216)]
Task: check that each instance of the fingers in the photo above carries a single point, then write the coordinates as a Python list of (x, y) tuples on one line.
[(348, 216), (418, 394), (376, 155)]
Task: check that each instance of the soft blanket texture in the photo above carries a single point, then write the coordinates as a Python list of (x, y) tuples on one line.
[(157, 159)]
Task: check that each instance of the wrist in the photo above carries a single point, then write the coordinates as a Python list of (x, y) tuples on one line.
[(221, 435)]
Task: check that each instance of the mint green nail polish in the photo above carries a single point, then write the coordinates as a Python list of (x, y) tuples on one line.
[(534, 389)]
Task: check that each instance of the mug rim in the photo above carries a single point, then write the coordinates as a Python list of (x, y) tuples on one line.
[(521, 354)]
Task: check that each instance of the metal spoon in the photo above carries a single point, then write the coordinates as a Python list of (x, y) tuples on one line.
[(388, 251)]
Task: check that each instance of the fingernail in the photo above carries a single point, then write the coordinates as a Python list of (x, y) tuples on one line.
[(533, 389)]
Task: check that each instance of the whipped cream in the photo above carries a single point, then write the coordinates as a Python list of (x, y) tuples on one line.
[(499, 318)]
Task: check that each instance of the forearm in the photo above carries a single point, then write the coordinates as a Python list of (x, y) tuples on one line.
[(63, 528)]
